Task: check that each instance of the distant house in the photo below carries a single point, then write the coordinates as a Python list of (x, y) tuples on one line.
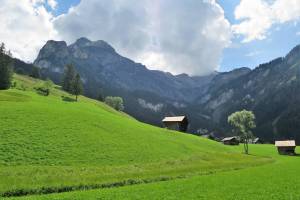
[(255, 141), (210, 136), (286, 147), (231, 140), (178, 123)]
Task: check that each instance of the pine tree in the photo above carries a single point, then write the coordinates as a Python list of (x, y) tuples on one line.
[(77, 86), (35, 73), (100, 96), (69, 78), (6, 71)]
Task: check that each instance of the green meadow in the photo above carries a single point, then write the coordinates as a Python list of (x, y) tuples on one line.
[(279, 180), (55, 148)]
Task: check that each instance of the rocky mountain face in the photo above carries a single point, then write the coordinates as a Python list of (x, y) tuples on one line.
[(270, 90)]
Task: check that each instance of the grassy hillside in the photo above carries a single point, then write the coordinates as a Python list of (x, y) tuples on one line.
[(275, 181), (53, 144)]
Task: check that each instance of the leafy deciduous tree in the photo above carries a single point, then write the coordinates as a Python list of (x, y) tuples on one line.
[(115, 102), (243, 121)]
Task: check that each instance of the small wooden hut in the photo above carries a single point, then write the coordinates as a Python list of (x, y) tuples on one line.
[(231, 140), (286, 147), (178, 123)]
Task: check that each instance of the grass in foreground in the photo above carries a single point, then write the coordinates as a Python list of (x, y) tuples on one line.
[(51, 145), (278, 180)]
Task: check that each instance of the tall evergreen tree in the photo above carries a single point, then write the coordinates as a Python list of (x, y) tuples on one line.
[(100, 95), (35, 73), (77, 86), (6, 71), (69, 78)]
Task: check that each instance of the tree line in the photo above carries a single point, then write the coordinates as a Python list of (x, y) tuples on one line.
[(6, 69), (71, 81)]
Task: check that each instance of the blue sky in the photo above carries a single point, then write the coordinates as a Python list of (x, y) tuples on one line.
[(281, 39), (63, 6)]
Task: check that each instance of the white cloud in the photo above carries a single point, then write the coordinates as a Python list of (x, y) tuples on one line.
[(258, 16), (25, 27), (171, 35), (52, 3)]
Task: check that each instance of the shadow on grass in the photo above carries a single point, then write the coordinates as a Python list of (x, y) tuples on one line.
[(68, 99)]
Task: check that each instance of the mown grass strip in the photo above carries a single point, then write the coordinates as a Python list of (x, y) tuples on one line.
[(128, 182)]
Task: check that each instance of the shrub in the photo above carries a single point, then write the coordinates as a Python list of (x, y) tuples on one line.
[(42, 90), (115, 102)]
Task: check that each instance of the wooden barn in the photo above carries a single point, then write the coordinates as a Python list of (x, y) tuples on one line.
[(231, 140), (178, 123), (286, 147)]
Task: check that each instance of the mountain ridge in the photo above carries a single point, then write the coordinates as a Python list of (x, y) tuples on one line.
[(152, 94)]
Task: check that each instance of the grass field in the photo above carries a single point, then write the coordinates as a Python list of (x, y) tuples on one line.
[(51, 144), (279, 180)]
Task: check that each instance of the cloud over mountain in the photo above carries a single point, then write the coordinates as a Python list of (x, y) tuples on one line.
[(25, 26), (170, 35)]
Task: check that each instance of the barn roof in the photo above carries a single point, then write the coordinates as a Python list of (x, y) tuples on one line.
[(255, 140), (286, 143), (228, 138), (174, 119)]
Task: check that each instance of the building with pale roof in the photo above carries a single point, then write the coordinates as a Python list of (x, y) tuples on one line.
[(286, 147), (178, 123)]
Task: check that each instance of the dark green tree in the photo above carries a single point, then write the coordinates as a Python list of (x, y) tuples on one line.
[(69, 78), (6, 70), (77, 86), (35, 73), (48, 84), (100, 96)]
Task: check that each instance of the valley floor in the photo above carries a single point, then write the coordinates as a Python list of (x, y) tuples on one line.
[(277, 180)]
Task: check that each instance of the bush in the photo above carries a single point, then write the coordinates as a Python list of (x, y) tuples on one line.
[(115, 102), (14, 84), (42, 90), (45, 88)]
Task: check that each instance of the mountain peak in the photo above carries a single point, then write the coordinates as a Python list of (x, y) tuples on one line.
[(83, 41), (294, 55), (104, 45), (53, 47), (55, 44)]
